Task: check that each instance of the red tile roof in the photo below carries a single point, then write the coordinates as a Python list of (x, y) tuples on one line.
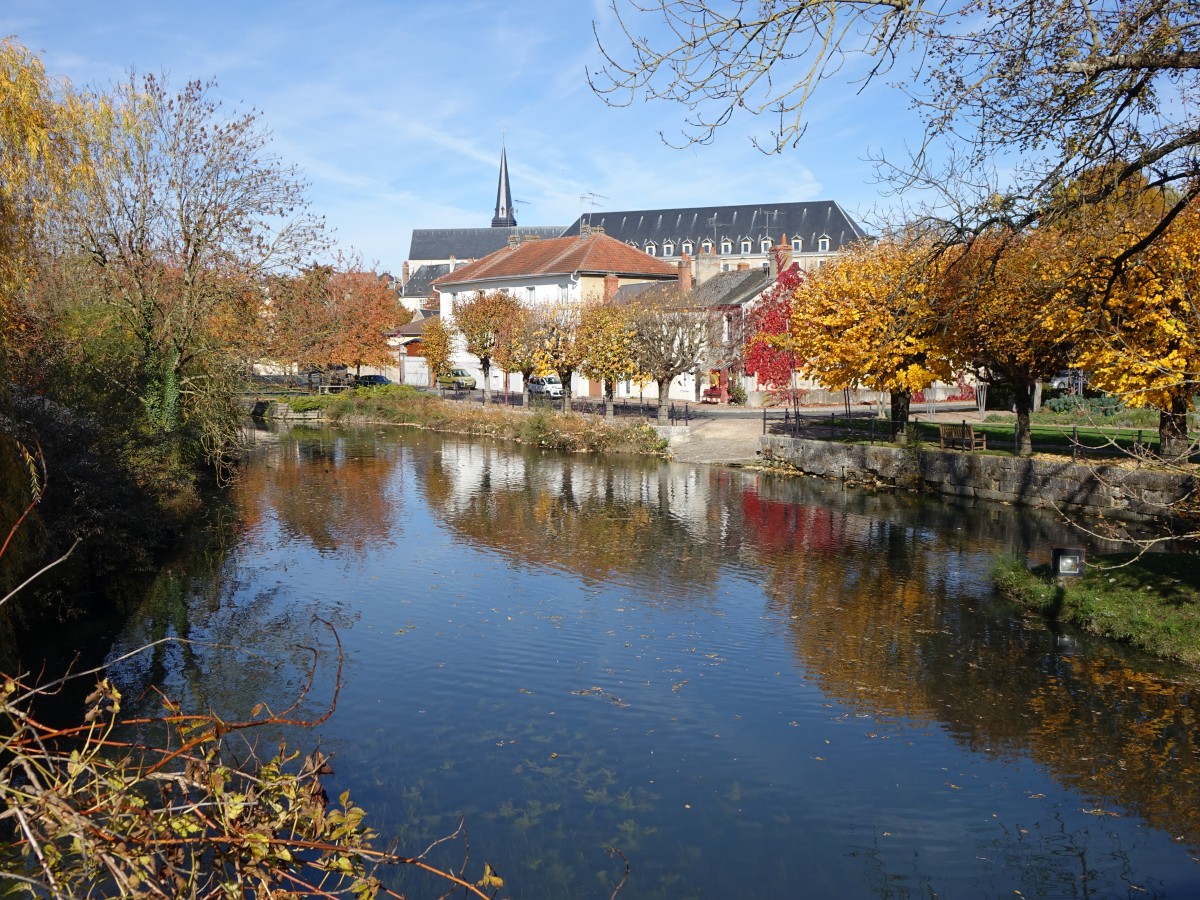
[(596, 254)]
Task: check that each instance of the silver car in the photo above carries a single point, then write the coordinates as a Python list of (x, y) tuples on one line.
[(545, 386)]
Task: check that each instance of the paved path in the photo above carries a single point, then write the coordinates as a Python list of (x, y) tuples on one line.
[(720, 439)]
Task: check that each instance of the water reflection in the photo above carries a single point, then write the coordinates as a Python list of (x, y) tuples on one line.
[(717, 671)]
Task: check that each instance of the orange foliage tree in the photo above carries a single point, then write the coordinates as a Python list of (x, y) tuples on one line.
[(481, 319), (1010, 308)]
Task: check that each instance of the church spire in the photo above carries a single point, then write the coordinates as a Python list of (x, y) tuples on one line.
[(504, 217)]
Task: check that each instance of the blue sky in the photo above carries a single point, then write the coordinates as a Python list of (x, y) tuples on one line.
[(395, 110)]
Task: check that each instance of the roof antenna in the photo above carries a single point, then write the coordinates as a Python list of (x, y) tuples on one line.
[(590, 199)]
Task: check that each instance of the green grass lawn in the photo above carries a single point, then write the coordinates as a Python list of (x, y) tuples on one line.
[(1061, 439), (1151, 602)]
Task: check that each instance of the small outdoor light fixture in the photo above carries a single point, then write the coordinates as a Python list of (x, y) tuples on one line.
[(1066, 561)]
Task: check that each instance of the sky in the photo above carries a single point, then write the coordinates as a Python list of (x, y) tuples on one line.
[(395, 111)]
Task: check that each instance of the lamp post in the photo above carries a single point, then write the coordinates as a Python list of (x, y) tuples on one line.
[(1067, 562)]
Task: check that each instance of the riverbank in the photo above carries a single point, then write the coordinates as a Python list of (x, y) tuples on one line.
[(403, 405), (1151, 602)]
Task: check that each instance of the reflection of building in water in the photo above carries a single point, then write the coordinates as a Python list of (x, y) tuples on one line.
[(642, 520), (475, 469)]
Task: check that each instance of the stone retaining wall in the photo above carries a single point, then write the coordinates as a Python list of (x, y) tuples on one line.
[(274, 409), (1098, 489)]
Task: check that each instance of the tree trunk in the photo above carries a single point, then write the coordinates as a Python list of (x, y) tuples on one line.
[(901, 403), (566, 386), (663, 388), (486, 363), (1023, 401), (1173, 440), (609, 413)]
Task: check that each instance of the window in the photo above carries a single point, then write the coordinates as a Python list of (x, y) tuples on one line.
[(706, 247), (724, 267), (726, 247), (766, 265), (765, 245), (823, 244), (651, 250), (797, 245), (687, 248), (668, 249), (530, 292), (747, 246)]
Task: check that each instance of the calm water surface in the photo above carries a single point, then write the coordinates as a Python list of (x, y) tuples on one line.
[(751, 686)]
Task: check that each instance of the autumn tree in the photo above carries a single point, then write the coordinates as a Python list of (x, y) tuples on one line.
[(868, 318), (669, 338), (519, 347), (481, 319), (1144, 344), (560, 344), (1056, 86), (189, 207), (606, 335), (766, 355), (435, 344), (365, 309), (1010, 306), (42, 154)]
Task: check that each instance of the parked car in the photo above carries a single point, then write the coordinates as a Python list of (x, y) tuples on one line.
[(372, 381), (1070, 380), (545, 386), (459, 379)]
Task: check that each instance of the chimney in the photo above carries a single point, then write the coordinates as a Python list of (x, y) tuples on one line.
[(514, 241), (742, 266), (685, 274), (611, 283), (404, 273), (781, 257), (453, 263)]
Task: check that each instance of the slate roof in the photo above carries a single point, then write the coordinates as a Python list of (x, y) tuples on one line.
[(420, 282), (809, 221), (722, 290), (596, 254), (471, 243)]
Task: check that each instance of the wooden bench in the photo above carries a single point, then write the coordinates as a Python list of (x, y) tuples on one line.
[(961, 437)]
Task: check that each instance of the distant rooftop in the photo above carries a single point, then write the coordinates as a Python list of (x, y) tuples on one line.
[(809, 221), (471, 243)]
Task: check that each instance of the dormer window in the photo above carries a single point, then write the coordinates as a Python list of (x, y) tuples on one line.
[(687, 248), (707, 248), (823, 244), (765, 245), (726, 248), (797, 245), (651, 250), (747, 246), (668, 249)]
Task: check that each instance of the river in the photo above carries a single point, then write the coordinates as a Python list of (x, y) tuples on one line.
[(749, 685)]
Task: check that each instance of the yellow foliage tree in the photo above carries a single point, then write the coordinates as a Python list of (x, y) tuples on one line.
[(1146, 332), (606, 333), (41, 156), (868, 319)]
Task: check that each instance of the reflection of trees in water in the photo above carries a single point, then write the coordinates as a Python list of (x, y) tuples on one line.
[(598, 518), (248, 647), (877, 618), (334, 490)]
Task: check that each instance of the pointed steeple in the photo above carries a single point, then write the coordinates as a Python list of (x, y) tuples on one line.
[(504, 217)]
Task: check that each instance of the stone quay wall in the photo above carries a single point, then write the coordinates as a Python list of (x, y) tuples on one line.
[(1097, 489)]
